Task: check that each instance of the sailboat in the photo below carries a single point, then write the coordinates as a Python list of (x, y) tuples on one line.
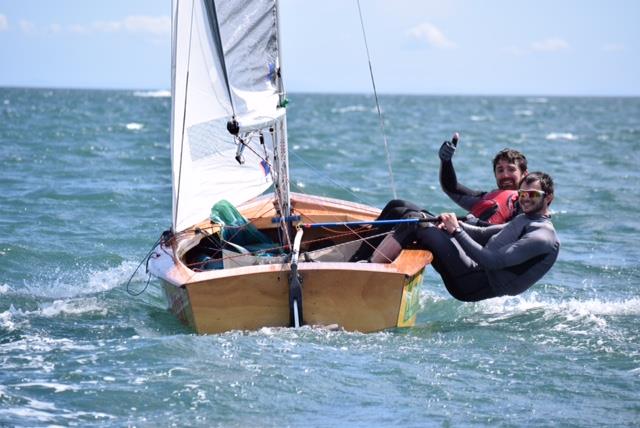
[(244, 252)]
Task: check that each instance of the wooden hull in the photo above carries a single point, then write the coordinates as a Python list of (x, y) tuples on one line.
[(362, 297)]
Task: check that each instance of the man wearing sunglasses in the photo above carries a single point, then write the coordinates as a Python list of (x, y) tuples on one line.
[(478, 263), (496, 206), (485, 208)]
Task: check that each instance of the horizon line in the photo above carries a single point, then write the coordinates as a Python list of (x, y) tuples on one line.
[(307, 92)]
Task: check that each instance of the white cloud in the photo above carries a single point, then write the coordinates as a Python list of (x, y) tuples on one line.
[(79, 29), (4, 23), (156, 25), (55, 28), (27, 27), (550, 45), (149, 24), (613, 47), (432, 35), (514, 50)]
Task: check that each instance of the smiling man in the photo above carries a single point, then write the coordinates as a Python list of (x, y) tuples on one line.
[(493, 207), (478, 263)]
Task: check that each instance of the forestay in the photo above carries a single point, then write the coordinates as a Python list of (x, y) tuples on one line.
[(224, 65)]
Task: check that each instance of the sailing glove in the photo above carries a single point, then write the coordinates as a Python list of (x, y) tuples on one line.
[(447, 150)]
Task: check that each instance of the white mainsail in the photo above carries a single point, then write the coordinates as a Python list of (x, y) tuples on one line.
[(225, 65)]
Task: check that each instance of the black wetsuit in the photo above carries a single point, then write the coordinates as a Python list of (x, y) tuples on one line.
[(395, 209), (483, 262)]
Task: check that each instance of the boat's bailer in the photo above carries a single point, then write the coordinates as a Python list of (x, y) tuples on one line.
[(237, 260)]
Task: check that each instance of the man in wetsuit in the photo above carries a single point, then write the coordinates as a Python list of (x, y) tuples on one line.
[(478, 263), (493, 207)]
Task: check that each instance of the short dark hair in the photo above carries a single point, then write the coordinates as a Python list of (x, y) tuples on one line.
[(546, 182), (511, 156)]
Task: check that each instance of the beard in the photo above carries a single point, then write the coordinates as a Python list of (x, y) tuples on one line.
[(533, 207), (507, 184)]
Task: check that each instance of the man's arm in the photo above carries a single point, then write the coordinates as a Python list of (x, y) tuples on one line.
[(459, 193), (512, 253), (481, 234)]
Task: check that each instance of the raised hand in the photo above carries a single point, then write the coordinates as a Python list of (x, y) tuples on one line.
[(448, 148)]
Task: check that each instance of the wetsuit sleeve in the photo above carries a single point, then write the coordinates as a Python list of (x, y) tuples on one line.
[(481, 234), (512, 251), (459, 193)]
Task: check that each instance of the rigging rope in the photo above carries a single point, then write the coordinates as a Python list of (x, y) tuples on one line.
[(323, 175), (375, 94), (145, 259), (349, 232)]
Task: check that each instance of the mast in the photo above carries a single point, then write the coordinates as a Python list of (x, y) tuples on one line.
[(281, 184)]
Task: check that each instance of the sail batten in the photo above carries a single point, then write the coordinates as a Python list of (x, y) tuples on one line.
[(224, 67)]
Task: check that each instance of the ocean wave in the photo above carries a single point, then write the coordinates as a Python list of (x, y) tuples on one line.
[(56, 387), (133, 126), (540, 100), (27, 413), (39, 411), (39, 345), (519, 304), (71, 307), (104, 280), (573, 316), (68, 284), (523, 112), (4, 288), (7, 323), (13, 318), (568, 136), (351, 109), (153, 94)]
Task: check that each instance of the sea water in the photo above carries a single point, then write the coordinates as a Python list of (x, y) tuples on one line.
[(86, 191)]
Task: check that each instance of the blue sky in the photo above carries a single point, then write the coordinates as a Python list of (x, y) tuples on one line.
[(542, 47)]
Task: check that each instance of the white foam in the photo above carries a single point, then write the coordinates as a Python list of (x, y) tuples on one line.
[(523, 113), (87, 282), (475, 118), (566, 314), (72, 307), (41, 405), (153, 94), (34, 346), (568, 136), (6, 321), (4, 288), (427, 295), (56, 387), (351, 109), (24, 412), (532, 301), (114, 277), (133, 126)]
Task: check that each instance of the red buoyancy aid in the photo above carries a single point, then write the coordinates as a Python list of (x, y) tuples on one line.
[(502, 203)]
